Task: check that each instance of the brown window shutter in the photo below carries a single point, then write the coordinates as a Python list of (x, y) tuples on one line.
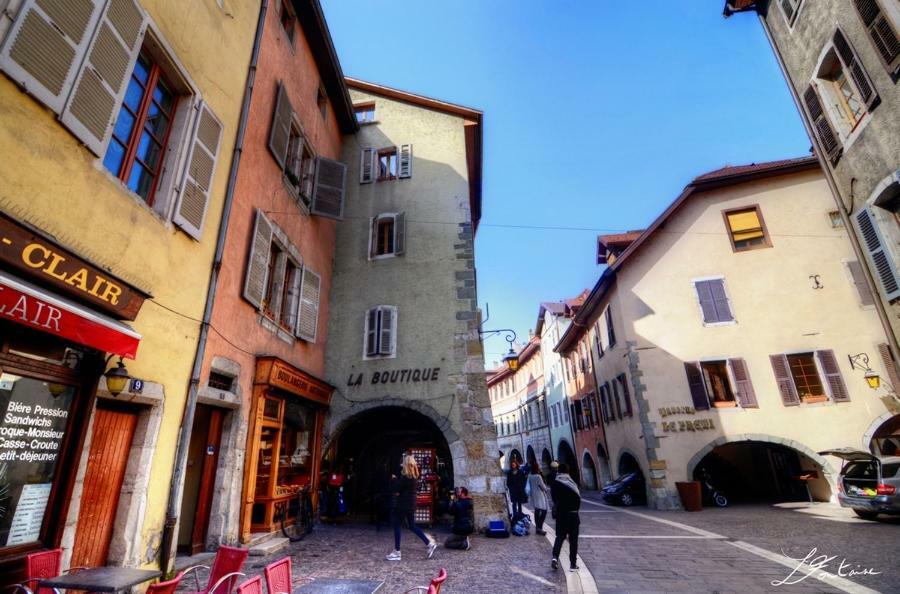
[(610, 329), (404, 165), (720, 300), (400, 234), (373, 237), (824, 132), (833, 376), (881, 32), (745, 394), (784, 380), (616, 401), (859, 281), (372, 332), (258, 261), (604, 404), (882, 263), (280, 134), (707, 302), (696, 385), (854, 66), (890, 366), (386, 331), (196, 185), (625, 394), (308, 316), (366, 165), (100, 84), (328, 192), (46, 45)]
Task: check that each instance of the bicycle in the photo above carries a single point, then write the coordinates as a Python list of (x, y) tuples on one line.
[(299, 507)]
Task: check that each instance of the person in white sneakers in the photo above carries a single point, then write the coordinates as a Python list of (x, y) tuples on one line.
[(403, 506)]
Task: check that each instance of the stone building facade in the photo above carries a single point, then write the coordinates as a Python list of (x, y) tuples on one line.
[(404, 351)]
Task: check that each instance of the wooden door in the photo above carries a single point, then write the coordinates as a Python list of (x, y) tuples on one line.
[(207, 480), (107, 459)]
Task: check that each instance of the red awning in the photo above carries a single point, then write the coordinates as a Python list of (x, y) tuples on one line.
[(26, 304)]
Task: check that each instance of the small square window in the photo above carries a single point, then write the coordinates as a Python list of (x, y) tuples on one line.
[(746, 229), (718, 386), (806, 377), (220, 381), (387, 164), (365, 113)]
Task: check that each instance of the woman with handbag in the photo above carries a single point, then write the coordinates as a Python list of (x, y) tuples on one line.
[(403, 504), (540, 494)]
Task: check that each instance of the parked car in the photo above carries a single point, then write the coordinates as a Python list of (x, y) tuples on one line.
[(629, 489), (869, 485)]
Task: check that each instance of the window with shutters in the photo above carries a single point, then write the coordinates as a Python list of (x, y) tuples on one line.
[(387, 235), (717, 383), (790, 9), (882, 30), (715, 307), (380, 336), (610, 329), (720, 383), (141, 133), (387, 164), (878, 228), (365, 113), (626, 396), (805, 375), (746, 229)]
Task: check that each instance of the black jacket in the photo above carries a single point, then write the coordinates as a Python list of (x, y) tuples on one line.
[(515, 482), (403, 494), (565, 500), (463, 517)]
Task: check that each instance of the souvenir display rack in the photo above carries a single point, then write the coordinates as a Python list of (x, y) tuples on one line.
[(426, 486)]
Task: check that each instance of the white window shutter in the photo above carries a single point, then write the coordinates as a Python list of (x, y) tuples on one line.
[(366, 165), (46, 44), (400, 234), (881, 260), (93, 106), (308, 317), (292, 306), (255, 278), (373, 236), (328, 192), (386, 329), (280, 134), (196, 185), (404, 168), (274, 305)]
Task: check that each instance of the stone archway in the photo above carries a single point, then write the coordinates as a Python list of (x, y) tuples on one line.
[(604, 474), (588, 471), (566, 455), (546, 460), (530, 457), (886, 425)]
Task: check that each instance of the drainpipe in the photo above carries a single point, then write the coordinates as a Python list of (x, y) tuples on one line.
[(184, 438), (842, 208)]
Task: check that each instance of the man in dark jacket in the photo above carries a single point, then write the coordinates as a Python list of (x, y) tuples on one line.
[(566, 503), (463, 512), (515, 482)]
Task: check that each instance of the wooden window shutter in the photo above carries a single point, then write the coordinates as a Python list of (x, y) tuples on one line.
[(890, 366), (308, 316), (696, 385), (196, 185), (604, 405), (789, 396), (328, 192), (707, 303), (274, 305), (366, 166), (854, 66), (255, 278), (372, 332), (404, 166), (824, 132), (881, 32), (373, 237), (746, 396), (626, 395), (46, 45), (883, 266), (386, 331), (833, 376), (616, 401), (292, 305), (400, 234), (100, 83), (720, 300), (610, 330), (280, 134), (859, 281)]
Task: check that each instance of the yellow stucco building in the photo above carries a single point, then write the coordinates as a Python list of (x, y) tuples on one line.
[(118, 121)]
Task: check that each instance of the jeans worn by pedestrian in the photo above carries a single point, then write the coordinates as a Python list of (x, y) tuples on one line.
[(567, 525)]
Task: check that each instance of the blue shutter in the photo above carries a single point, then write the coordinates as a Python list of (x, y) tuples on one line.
[(882, 262)]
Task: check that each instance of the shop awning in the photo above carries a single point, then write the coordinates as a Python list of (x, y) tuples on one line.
[(23, 303)]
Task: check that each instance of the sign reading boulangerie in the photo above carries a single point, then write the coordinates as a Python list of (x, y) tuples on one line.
[(33, 420)]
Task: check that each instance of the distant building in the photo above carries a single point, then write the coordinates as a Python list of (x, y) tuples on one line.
[(734, 315), (841, 60)]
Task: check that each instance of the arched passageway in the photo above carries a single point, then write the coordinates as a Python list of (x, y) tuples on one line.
[(603, 467), (565, 455), (514, 456), (588, 472), (886, 438), (529, 456), (369, 446), (546, 460)]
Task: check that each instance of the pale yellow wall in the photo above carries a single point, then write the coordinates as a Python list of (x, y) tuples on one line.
[(48, 180), (776, 311)]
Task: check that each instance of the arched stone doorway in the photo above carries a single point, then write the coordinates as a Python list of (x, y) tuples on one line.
[(515, 456), (588, 472), (763, 469), (368, 457), (546, 460), (529, 456), (565, 455), (628, 464), (603, 466), (885, 439)]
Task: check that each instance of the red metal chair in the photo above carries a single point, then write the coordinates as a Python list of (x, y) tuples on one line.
[(226, 568), (166, 587), (434, 587), (251, 586), (38, 566), (279, 578)]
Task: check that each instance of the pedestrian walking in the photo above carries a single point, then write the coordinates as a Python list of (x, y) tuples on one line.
[(566, 503), (463, 511), (554, 470), (403, 501), (515, 483), (540, 494)]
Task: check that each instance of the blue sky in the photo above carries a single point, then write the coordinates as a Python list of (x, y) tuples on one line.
[(597, 113)]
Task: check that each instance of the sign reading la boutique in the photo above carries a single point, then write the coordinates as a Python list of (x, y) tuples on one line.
[(396, 376)]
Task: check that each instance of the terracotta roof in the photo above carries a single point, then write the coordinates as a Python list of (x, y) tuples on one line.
[(731, 170), (619, 238), (733, 6)]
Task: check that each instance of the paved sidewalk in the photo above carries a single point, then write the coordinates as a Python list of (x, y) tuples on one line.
[(517, 564)]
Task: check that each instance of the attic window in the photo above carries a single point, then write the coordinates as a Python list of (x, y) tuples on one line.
[(322, 101), (365, 113)]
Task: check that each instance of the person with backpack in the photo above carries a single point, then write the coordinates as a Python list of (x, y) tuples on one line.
[(403, 503), (463, 511), (566, 503), (540, 494), (515, 483)]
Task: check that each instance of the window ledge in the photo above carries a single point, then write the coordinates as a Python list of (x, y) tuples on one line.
[(373, 122), (383, 256), (274, 328), (295, 194), (718, 324), (813, 399)]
